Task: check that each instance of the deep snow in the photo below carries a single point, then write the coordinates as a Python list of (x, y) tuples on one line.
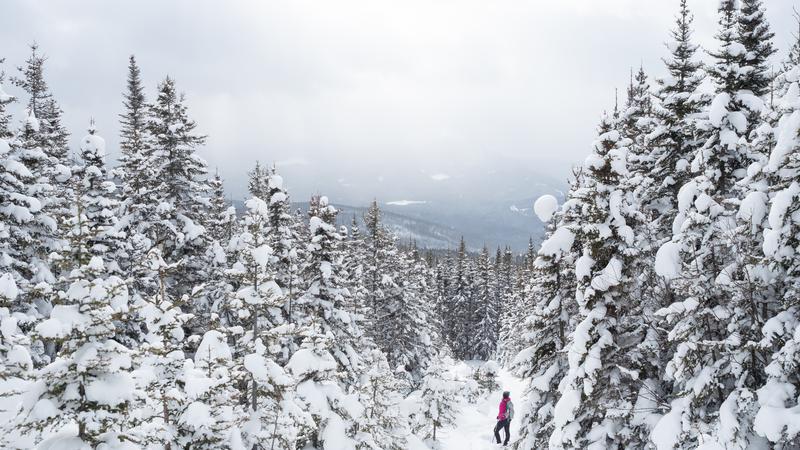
[(475, 424)]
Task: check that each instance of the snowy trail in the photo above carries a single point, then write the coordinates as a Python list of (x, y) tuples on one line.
[(475, 423)]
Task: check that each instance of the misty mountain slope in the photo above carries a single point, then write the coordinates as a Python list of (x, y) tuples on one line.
[(440, 225)]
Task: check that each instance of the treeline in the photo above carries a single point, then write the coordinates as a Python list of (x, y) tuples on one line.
[(664, 301), (139, 309)]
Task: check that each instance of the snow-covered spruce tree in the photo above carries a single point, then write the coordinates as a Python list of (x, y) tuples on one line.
[(222, 215), (600, 387), (354, 266), (409, 324), (258, 183), (394, 301), (18, 210), (14, 343), (210, 420), (646, 213), (461, 304), (441, 397), (485, 377), (379, 249), (283, 239), (326, 303), (710, 323), (6, 131), (505, 273), (255, 303), (754, 34), (443, 274), (674, 140), (41, 144), (486, 310), (543, 334), (382, 425), (88, 228), (319, 389), (517, 308), (160, 362), (135, 169), (88, 383), (221, 227), (177, 187), (254, 316), (279, 419), (777, 398), (51, 136)]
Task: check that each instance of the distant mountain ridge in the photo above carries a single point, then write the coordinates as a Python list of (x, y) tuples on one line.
[(439, 226)]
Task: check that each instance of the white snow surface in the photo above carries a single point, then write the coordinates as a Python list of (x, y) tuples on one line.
[(545, 206), (668, 260), (475, 423), (558, 243), (8, 288), (94, 144), (407, 202)]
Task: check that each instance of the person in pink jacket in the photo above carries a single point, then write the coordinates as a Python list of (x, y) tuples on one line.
[(504, 417)]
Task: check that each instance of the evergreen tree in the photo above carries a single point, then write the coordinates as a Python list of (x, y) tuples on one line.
[(709, 379), (545, 330), (177, 189), (221, 226), (409, 322), (283, 238), (210, 420), (89, 227), (14, 342), (51, 136), (135, 170), (379, 278), (42, 148), (382, 424), (319, 389), (325, 304), (6, 131), (461, 304), (777, 405), (487, 310), (675, 140), (597, 392), (20, 209), (256, 298), (355, 262), (161, 361), (262, 337), (222, 216), (89, 381), (754, 34), (258, 182), (440, 393)]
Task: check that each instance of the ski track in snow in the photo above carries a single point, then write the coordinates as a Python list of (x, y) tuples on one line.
[(475, 424)]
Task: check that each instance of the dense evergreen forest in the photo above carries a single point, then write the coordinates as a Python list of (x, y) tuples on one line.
[(139, 306), (139, 309), (664, 302)]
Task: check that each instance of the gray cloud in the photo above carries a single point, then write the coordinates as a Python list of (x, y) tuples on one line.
[(361, 98)]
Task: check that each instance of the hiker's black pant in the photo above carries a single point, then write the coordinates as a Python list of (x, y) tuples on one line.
[(505, 424)]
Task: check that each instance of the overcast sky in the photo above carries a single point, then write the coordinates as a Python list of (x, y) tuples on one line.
[(396, 99)]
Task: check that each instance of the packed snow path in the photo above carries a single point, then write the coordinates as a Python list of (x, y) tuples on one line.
[(475, 424)]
